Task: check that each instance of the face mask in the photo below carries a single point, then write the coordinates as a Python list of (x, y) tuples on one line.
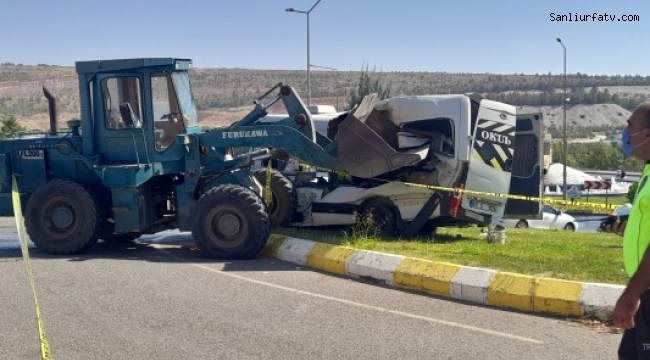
[(627, 148)]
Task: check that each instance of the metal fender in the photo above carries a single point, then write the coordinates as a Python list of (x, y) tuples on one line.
[(241, 177)]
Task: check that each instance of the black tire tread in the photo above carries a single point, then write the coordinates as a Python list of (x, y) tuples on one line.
[(522, 222), (257, 220), (570, 227), (284, 192), (88, 234)]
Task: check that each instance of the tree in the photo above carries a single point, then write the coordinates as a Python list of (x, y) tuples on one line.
[(596, 156), (9, 127), (368, 84)]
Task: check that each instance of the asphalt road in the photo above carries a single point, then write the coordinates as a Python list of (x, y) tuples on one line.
[(163, 301)]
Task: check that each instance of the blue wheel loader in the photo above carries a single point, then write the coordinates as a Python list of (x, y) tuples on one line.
[(138, 162)]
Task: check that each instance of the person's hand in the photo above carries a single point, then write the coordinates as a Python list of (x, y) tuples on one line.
[(624, 311), (617, 227)]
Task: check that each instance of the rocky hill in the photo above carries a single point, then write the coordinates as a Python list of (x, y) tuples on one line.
[(598, 115)]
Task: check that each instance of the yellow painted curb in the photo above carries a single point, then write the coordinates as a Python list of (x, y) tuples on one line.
[(518, 291), (512, 290), (329, 257), (424, 275), (272, 245), (558, 297)]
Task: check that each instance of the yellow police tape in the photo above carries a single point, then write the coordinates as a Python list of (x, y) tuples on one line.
[(569, 204), (268, 198), (46, 354), (565, 203)]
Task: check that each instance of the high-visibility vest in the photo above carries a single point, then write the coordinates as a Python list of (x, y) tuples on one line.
[(637, 231)]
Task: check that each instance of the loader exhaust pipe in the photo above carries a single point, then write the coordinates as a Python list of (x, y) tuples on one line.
[(51, 102)]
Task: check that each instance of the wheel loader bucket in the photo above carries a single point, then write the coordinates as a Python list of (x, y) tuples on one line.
[(364, 142)]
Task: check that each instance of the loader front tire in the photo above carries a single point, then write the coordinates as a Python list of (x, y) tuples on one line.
[(231, 223), (283, 204), (61, 218)]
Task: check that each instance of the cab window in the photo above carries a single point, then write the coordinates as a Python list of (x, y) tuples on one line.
[(167, 116), (122, 102)]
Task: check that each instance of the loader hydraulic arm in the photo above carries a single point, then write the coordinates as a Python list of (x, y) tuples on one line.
[(279, 137), (295, 136), (299, 117)]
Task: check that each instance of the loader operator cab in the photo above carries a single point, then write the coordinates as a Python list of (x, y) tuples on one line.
[(136, 108), (137, 163)]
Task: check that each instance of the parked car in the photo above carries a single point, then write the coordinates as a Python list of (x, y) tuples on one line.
[(552, 218)]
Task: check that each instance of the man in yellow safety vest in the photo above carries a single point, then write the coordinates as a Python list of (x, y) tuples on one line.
[(632, 310)]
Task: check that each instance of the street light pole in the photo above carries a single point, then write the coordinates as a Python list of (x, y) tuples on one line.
[(308, 61), (564, 101)]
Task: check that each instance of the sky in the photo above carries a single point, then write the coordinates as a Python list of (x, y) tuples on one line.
[(472, 36)]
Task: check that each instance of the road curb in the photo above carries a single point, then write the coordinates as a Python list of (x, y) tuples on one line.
[(477, 285)]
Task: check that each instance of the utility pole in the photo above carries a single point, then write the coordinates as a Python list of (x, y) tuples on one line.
[(308, 61), (564, 143)]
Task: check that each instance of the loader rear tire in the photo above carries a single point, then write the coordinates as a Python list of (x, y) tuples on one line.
[(283, 204), (61, 218), (231, 223)]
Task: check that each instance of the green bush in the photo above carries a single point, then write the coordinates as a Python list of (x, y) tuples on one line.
[(9, 127), (369, 83), (632, 190)]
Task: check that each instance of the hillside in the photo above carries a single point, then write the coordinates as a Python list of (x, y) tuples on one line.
[(225, 95), (599, 115)]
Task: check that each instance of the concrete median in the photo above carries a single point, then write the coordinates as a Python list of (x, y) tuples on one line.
[(477, 285)]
